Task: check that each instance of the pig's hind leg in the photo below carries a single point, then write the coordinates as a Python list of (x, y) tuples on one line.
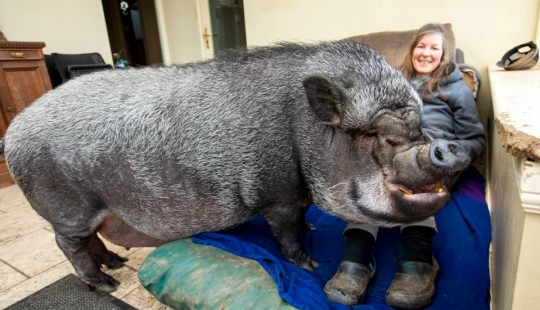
[(287, 222), (102, 256), (75, 216), (87, 254)]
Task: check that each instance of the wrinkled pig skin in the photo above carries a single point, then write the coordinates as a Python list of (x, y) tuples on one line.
[(150, 155)]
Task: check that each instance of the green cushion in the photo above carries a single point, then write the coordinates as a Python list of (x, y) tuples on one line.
[(185, 275)]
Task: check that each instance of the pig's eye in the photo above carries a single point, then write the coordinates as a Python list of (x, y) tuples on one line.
[(362, 135), (392, 142), (371, 134)]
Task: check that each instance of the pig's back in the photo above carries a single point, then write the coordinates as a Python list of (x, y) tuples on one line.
[(173, 133)]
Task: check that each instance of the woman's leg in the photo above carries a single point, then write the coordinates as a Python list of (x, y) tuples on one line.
[(413, 285), (348, 286), (360, 240), (417, 240)]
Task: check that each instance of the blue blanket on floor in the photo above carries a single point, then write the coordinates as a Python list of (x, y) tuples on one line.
[(461, 247)]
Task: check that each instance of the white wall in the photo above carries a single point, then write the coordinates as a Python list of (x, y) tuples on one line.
[(484, 29), (66, 26)]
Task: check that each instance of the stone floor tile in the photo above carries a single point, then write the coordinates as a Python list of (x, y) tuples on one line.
[(20, 222), (34, 284), (10, 193), (9, 277), (32, 254), (15, 203), (142, 299)]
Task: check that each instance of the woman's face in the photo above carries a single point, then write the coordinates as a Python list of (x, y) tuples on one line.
[(428, 53)]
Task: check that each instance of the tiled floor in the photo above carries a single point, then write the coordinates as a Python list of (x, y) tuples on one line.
[(31, 260)]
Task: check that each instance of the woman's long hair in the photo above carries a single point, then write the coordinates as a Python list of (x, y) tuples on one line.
[(445, 66)]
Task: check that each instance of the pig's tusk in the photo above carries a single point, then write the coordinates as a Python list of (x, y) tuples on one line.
[(438, 186), (406, 191)]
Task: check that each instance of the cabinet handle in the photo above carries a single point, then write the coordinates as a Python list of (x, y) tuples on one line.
[(18, 55), (11, 109)]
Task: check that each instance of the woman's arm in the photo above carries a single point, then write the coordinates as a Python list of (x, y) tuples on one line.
[(468, 128)]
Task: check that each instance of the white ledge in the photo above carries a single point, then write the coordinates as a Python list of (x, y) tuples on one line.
[(516, 107)]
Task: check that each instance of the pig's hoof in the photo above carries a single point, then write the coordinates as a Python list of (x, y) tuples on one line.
[(115, 261), (103, 282), (308, 227), (111, 260), (307, 267), (308, 264), (107, 288)]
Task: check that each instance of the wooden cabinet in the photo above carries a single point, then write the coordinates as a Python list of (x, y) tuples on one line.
[(23, 79)]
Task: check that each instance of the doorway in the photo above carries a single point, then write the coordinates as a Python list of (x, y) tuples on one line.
[(228, 24), (133, 32)]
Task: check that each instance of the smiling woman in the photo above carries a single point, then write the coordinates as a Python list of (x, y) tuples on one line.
[(428, 53)]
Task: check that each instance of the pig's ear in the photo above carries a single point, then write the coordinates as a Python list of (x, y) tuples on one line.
[(324, 97)]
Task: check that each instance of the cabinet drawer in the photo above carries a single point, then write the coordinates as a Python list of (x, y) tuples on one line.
[(22, 54)]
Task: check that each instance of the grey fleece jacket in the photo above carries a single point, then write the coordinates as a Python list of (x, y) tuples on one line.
[(457, 117)]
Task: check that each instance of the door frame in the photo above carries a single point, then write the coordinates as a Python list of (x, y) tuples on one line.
[(150, 28), (203, 10)]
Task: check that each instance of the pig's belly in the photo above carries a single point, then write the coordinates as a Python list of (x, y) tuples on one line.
[(165, 222)]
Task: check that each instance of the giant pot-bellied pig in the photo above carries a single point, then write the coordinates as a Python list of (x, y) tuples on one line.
[(149, 155)]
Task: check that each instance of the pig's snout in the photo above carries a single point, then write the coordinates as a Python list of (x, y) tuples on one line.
[(448, 155)]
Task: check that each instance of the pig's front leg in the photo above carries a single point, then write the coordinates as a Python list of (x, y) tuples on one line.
[(286, 222)]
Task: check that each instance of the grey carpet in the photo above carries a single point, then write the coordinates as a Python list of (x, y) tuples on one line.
[(69, 293)]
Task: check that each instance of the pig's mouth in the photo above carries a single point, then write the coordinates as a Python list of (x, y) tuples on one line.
[(421, 195), (431, 188)]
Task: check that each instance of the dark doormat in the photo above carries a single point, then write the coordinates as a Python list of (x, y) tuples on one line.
[(69, 293)]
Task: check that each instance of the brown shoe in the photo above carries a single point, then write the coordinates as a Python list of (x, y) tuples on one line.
[(348, 286), (413, 286)]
